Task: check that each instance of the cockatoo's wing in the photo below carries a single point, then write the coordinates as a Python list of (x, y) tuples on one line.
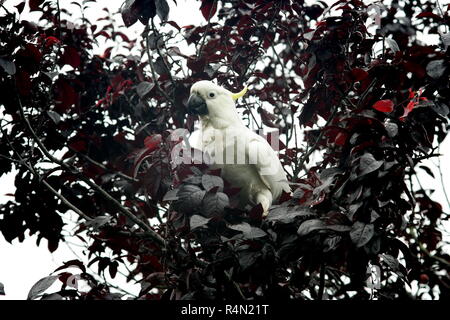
[(195, 139), (267, 164)]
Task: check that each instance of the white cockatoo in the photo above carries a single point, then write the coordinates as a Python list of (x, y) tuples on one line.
[(246, 159)]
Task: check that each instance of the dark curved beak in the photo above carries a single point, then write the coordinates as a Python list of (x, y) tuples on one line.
[(197, 105)]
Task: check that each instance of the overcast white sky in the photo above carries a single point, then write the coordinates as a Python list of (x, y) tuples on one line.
[(23, 264)]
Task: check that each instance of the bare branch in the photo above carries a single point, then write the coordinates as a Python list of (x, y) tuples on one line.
[(65, 201)]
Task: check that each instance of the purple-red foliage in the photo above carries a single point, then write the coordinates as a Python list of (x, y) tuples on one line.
[(114, 122)]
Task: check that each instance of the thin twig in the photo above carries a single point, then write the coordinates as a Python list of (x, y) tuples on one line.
[(438, 4), (365, 93), (316, 143), (95, 275), (1, 5), (48, 186), (65, 201), (441, 177), (413, 232), (152, 67), (255, 56), (98, 164), (425, 250), (11, 159), (155, 30), (237, 287), (428, 156), (202, 41)]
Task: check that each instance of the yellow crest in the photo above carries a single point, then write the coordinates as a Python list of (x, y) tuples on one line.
[(236, 96)]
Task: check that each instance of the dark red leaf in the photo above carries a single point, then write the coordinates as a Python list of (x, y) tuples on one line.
[(415, 68), (23, 83), (208, 8), (49, 41), (71, 57), (102, 33), (78, 146), (65, 276), (34, 4), (107, 53), (341, 138), (66, 95), (72, 263), (428, 15), (285, 196), (113, 268), (384, 105), (121, 35), (52, 244), (409, 107), (152, 142), (31, 51), (174, 24), (359, 74), (162, 9), (424, 278), (267, 118), (130, 13), (196, 65), (20, 6)]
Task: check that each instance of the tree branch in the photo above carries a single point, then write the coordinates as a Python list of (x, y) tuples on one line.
[(441, 177), (152, 234), (30, 168), (100, 165), (425, 250), (161, 55), (255, 56), (202, 41), (315, 145), (65, 201), (152, 67)]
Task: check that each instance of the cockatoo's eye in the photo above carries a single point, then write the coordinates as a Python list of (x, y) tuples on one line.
[(211, 94)]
